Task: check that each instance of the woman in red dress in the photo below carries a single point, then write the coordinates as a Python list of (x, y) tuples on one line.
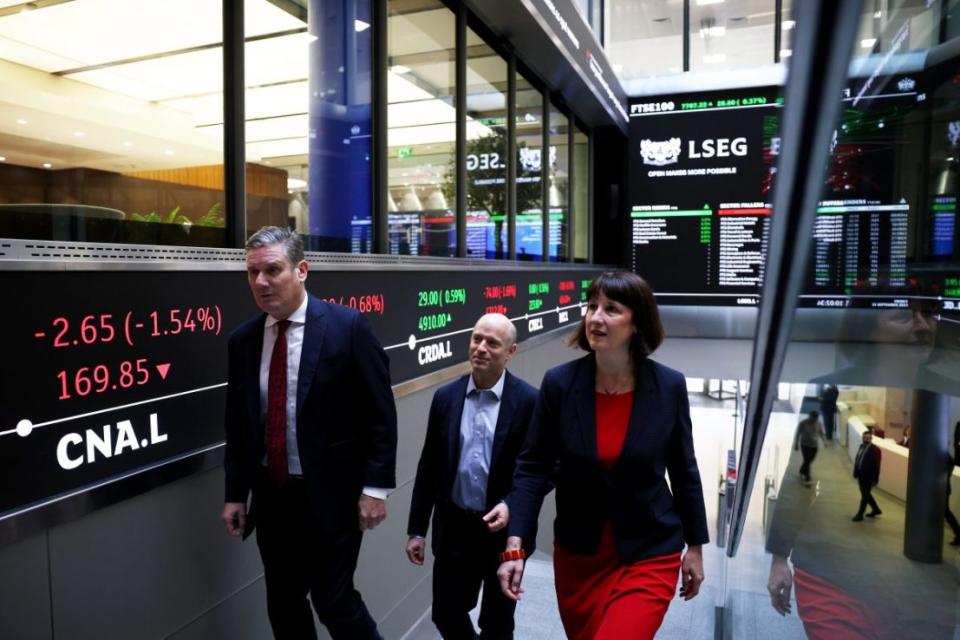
[(606, 429)]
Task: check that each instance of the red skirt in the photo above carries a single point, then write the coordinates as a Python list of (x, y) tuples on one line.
[(603, 598)]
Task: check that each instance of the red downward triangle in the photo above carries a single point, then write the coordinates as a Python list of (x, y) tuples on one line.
[(163, 369)]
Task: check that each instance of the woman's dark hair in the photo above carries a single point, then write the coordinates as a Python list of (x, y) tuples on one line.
[(632, 291)]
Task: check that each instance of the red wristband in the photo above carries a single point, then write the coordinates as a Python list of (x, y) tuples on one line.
[(513, 554)]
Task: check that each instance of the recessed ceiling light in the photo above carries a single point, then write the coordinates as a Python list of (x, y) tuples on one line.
[(3, 158), (715, 58), (867, 43), (360, 25), (79, 134), (47, 165), (168, 152), (127, 143), (21, 121), (788, 24), (400, 69)]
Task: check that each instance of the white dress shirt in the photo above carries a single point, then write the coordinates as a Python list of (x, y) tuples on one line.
[(298, 321)]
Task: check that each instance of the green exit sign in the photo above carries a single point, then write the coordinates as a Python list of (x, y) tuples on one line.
[(404, 152)]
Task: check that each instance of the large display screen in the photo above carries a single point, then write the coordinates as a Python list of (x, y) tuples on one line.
[(108, 373), (702, 170)]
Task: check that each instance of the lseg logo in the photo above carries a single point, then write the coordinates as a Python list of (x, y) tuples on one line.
[(660, 152)]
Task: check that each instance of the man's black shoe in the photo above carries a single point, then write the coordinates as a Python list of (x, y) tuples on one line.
[(857, 518), (874, 514)]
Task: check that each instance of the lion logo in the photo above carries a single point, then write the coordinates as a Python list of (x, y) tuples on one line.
[(660, 153)]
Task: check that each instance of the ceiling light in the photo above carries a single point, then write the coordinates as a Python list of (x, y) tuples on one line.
[(47, 165), (788, 24), (360, 25), (79, 134), (715, 58), (400, 69), (168, 152), (867, 43), (786, 53), (703, 3), (21, 121), (3, 158), (127, 143), (713, 32)]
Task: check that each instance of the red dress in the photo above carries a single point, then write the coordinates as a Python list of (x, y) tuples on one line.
[(600, 596)]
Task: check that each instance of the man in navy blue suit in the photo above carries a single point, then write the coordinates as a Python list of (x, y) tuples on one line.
[(476, 428), (311, 433)]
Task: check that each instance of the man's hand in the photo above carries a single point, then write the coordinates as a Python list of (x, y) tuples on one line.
[(415, 549), (372, 512), (510, 572), (235, 517), (498, 517), (691, 572), (780, 585)]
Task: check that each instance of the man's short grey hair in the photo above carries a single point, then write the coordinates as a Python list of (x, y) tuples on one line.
[(269, 236)]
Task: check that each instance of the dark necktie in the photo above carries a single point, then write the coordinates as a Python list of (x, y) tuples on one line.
[(277, 408)]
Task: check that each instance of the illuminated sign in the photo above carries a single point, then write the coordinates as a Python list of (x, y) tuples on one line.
[(110, 373)]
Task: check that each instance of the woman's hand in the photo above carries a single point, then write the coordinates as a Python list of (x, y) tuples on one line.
[(510, 572), (498, 517), (691, 572)]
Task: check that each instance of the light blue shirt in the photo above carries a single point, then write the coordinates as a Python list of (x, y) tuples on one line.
[(478, 424)]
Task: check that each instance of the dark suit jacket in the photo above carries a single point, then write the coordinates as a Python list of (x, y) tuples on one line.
[(346, 419), (648, 520), (437, 470), (869, 471)]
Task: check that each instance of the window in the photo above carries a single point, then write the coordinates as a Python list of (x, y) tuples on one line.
[(107, 137), (581, 196), (421, 117), (529, 239), (559, 186), (486, 151)]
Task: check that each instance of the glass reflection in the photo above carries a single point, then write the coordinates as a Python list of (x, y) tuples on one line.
[(421, 120)]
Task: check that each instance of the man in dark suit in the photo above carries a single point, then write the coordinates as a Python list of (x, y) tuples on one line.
[(828, 407), (866, 469), (476, 428), (311, 433)]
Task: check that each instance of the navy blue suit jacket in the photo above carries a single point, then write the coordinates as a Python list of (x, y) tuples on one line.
[(647, 518), (437, 469), (346, 418)]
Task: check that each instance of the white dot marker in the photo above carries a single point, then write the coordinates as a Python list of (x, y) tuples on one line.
[(24, 427), (412, 342)]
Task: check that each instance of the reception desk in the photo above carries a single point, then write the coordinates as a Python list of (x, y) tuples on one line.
[(893, 467)]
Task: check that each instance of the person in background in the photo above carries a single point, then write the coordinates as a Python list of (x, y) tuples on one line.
[(904, 440), (807, 441), (477, 425), (311, 435), (607, 428), (828, 407), (866, 469)]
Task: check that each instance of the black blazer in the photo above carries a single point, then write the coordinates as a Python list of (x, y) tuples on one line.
[(648, 520), (346, 419), (869, 472), (437, 469)]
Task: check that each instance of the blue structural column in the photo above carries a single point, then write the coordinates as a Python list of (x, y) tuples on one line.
[(927, 468), (340, 156)]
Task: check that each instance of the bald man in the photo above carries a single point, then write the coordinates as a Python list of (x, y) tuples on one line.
[(476, 428)]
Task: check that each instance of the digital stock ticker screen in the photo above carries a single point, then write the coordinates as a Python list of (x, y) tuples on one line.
[(109, 373), (703, 168)]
